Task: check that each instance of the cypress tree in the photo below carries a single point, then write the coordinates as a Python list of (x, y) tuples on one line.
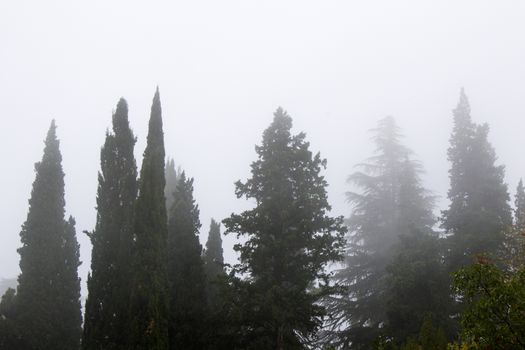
[(171, 183), (149, 298), (479, 213), (186, 275), (48, 294), (213, 255), (106, 315), (290, 240), (391, 203)]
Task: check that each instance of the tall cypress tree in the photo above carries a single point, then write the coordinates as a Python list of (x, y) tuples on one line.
[(48, 295), (516, 240), (391, 203), (290, 240), (186, 275), (149, 298), (171, 183), (213, 255), (106, 315), (479, 213)]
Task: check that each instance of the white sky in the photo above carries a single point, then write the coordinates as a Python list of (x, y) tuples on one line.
[(223, 67)]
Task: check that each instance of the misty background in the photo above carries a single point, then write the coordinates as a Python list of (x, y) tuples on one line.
[(223, 67)]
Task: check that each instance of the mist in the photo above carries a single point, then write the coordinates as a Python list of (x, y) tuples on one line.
[(223, 68)]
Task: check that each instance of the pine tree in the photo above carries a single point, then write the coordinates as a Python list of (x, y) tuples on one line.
[(479, 213), (149, 298), (106, 315), (186, 274), (48, 294), (290, 240), (171, 183), (391, 203)]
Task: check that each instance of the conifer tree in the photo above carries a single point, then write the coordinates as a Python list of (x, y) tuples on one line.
[(186, 275), (48, 295), (479, 213), (213, 255), (290, 238), (106, 316), (149, 298), (391, 203), (519, 210), (171, 183)]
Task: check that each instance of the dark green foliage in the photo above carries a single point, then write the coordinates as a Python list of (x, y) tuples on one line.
[(48, 295), (149, 295), (391, 203), (10, 335), (418, 288), (213, 255), (106, 316), (187, 280), (494, 315), (289, 241), (479, 214), (171, 183), (516, 241), (213, 259)]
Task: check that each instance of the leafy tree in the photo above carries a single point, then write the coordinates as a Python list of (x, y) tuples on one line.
[(290, 238), (106, 316), (48, 295), (149, 295), (479, 213), (494, 316), (187, 279), (516, 239), (391, 203)]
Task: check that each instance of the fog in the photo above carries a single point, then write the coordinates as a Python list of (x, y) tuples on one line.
[(223, 67)]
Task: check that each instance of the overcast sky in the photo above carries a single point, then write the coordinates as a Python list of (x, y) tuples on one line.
[(223, 67)]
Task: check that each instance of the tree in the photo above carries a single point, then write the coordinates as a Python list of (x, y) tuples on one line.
[(494, 314), (391, 203), (479, 213), (517, 238), (290, 238), (48, 295), (109, 284), (187, 279), (149, 295), (519, 211), (213, 261), (171, 183)]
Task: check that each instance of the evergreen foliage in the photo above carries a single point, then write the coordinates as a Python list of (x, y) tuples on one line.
[(213, 255), (479, 213), (391, 203), (290, 238), (171, 183), (187, 279), (47, 301), (149, 295), (418, 288), (106, 315)]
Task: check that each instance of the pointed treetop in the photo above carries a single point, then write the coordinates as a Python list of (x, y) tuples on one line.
[(463, 108), (120, 117)]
